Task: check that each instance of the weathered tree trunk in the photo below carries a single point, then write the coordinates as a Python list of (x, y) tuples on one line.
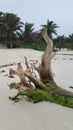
[(44, 69)]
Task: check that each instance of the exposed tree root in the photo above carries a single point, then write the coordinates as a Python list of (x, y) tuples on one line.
[(42, 87)]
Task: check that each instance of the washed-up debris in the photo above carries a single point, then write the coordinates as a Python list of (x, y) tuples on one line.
[(71, 87), (2, 71)]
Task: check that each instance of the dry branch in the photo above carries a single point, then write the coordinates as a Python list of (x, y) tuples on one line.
[(26, 62), (23, 74)]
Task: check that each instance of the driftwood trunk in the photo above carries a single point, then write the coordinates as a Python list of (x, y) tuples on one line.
[(44, 69), (45, 74)]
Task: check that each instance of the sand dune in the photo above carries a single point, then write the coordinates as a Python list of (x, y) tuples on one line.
[(28, 116)]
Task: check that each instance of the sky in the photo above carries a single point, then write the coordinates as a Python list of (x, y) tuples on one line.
[(38, 11)]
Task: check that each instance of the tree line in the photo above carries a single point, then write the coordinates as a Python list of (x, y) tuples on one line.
[(15, 33)]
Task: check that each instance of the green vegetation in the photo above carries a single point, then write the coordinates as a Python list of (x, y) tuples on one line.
[(63, 42), (49, 94), (36, 46), (14, 33)]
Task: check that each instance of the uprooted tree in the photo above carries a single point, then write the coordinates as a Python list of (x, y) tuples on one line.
[(42, 87)]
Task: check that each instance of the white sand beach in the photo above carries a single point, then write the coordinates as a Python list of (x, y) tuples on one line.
[(24, 115)]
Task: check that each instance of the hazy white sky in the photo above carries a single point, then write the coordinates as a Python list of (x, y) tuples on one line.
[(38, 11)]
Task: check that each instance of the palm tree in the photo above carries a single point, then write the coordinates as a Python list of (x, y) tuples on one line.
[(12, 25), (28, 32), (71, 38), (61, 42), (71, 41), (51, 28), (2, 32)]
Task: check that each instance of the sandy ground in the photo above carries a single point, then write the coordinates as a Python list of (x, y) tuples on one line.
[(41, 116)]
